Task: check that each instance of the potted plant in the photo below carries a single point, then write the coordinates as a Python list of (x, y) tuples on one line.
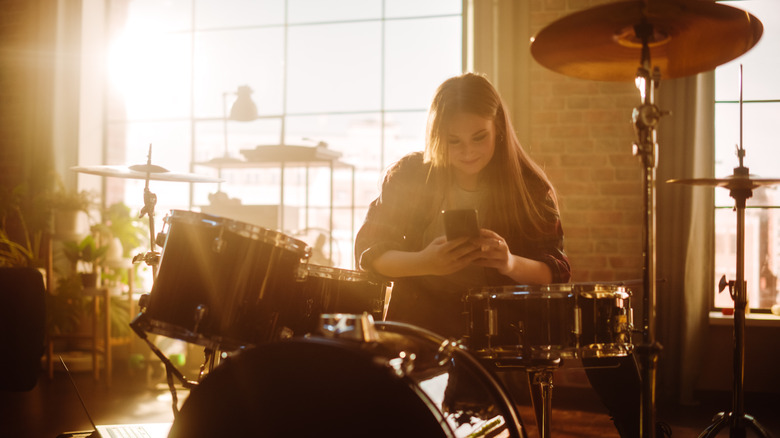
[(85, 257), (24, 219), (67, 205), (118, 224), (123, 233), (65, 307)]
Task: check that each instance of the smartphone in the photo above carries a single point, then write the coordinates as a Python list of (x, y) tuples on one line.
[(460, 223)]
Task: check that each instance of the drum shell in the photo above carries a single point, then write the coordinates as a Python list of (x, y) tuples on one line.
[(550, 321), (523, 321), (325, 289), (231, 273), (317, 386)]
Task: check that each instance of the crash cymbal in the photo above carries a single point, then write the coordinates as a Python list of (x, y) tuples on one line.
[(734, 182), (689, 37), (145, 171)]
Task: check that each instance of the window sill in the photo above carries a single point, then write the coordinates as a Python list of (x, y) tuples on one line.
[(751, 319)]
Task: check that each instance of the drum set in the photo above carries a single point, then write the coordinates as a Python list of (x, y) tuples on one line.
[(312, 338), (230, 286)]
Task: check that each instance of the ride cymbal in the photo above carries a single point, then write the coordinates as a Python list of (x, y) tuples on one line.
[(688, 37), (734, 182), (145, 171)]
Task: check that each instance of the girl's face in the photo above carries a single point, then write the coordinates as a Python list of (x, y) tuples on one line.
[(471, 142)]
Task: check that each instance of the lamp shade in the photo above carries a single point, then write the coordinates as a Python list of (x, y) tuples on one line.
[(243, 109)]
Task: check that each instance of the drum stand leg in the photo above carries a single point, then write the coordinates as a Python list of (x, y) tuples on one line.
[(737, 419), (540, 385), (170, 369)]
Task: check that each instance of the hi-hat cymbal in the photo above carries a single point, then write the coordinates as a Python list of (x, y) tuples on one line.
[(733, 182), (689, 37), (145, 171)]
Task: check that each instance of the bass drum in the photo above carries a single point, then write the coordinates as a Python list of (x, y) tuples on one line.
[(401, 381)]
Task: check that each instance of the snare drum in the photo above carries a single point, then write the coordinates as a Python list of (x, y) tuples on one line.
[(221, 282), (550, 321), (403, 382), (326, 289), (535, 322), (606, 320)]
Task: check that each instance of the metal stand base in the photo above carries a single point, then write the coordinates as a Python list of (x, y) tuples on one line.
[(737, 426), (540, 376), (540, 386)]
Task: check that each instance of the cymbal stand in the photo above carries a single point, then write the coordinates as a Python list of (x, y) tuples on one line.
[(152, 257), (737, 419), (646, 117)]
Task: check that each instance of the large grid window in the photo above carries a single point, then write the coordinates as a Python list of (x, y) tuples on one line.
[(357, 75), (760, 118)]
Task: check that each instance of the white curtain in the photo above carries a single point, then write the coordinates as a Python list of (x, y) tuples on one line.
[(685, 227)]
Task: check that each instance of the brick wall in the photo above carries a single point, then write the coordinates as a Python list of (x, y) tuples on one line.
[(581, 132)]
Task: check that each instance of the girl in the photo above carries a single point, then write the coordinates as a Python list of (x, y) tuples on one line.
[(472, 160)]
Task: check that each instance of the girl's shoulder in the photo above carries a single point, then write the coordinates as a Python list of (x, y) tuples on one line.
[(410, 167)]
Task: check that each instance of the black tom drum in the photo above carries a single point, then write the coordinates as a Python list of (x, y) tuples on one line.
[(325, 289), (222, 283)]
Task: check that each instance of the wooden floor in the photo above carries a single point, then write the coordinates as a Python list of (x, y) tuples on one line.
[(140, 395)]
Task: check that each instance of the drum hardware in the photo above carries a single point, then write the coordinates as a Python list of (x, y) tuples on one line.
[(534, 328), (447, 350), (348, 326), (200, 312), (147, 172), (740, 185), (604, 43), (170, 369)]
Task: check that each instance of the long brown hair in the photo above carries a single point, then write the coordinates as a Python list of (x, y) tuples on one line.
[(512, 176)]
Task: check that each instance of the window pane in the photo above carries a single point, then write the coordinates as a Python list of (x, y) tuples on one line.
[(762, 154), (151, 75), (762, 261), (318, 11), (760, 64), (355, 136), (411, 8), (154, 16), (404, 133), (238, 13), (210, 137), (334, 68), (434, 58), (225, 60)]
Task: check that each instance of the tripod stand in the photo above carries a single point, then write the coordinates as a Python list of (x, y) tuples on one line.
[(740, 188)]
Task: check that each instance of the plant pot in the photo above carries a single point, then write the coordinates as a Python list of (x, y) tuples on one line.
[(66, 224), (89, 279)]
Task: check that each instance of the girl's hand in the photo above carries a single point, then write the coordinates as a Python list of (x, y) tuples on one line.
[(443, 257), (494, 252)]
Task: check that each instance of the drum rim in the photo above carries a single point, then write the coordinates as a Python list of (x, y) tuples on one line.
[(595, 290), (335, 273), (244, 229)]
